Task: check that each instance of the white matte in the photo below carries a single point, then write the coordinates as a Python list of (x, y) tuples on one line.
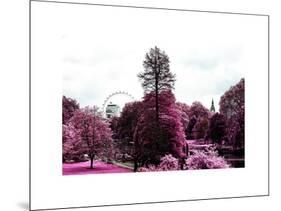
[(49, 189)]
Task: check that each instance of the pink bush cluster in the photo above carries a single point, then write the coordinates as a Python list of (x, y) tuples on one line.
[(150, 168), (168, 163), (199, 160), (206, 160)]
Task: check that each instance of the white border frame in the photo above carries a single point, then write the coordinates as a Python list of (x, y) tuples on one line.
[(35, 178)]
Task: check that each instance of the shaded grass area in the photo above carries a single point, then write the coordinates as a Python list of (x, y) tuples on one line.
[(99, 168), (129, 165)]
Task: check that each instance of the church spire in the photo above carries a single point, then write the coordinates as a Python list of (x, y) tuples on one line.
[(212, 109)]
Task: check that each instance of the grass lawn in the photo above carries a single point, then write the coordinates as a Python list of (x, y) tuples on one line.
[(99, 167)]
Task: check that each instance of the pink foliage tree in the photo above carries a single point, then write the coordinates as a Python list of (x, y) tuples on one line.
[(198, 125), (232, 106), (156, 76), (200, 128), (128, 120), (217, 128), (95, 133), (233, 100), (184, 110), (155, 139), (72, 149), (198, 110), (69, 106), (126, 125)]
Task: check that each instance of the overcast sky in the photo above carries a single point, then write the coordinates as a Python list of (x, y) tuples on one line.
[(102, 50)]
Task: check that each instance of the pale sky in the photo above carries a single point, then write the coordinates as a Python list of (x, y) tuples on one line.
[(101, 50)]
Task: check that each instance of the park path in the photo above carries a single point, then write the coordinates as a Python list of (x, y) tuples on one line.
[(99, 168)]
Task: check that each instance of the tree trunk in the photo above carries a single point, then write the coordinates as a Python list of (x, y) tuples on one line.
[(92, 162), (157, 100), (181, 163), (187, 150), (136, 149), (135, 165), (158, 136)]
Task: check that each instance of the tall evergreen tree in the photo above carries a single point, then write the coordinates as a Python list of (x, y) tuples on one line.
[(156, 76)]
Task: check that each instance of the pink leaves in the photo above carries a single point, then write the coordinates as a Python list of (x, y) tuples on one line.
[(232, 105), (217, 128), (206, 160), (87, 133), (233, 100), (199, 160), (167, 135), (167, 163), (68, 107)]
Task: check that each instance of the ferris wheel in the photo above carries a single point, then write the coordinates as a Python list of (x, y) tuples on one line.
[(124, 93)]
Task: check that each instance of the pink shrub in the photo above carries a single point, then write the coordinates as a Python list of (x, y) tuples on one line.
[(148, 169), (206, 160), (168, 163)]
